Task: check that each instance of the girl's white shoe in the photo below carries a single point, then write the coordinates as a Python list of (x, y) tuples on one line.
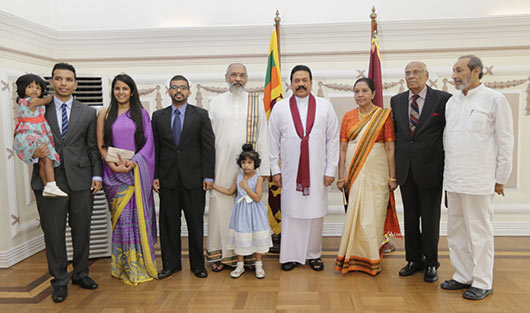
[(260, 272), (237, 272), (53, 191)]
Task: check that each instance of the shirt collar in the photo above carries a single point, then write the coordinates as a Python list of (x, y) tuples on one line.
[(59, 103), (422, 93), (474, 90), (182, 109)]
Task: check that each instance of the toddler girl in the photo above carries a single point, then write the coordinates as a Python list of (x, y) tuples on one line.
[(32, 131), (249, 231)]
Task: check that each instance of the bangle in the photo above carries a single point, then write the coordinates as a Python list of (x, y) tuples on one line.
[(341, 180), (392, 179)]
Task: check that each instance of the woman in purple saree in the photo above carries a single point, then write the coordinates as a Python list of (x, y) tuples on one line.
[(127, 184)]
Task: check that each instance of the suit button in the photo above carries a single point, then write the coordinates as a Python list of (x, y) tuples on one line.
[(412, 141), (178, 151)]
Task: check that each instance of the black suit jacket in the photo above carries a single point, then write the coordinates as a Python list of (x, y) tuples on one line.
[(78, 152), (193, 158), (422, 153)]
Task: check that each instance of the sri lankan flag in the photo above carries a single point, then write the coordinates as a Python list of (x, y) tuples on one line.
[(272, 94), (374, 70)]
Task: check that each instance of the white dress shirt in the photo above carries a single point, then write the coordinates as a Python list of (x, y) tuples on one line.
[(478, 141)]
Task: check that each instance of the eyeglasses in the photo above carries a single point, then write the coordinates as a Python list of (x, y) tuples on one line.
[(181, 87)]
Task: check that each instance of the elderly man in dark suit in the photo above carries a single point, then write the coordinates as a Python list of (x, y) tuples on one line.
[(73, 125), (419, 120), (184, 171)]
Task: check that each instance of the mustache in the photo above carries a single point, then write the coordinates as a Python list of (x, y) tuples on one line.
[(237, 84), (301, 87)]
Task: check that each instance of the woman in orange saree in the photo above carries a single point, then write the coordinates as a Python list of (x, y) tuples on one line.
[(368, 181)]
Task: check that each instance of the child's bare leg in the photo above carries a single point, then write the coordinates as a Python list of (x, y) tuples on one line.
[(258, 256), (48, 169), (42, 172), (240, 258)]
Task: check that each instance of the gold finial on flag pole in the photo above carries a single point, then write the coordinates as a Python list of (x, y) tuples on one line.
[(373, 16), (277, 19)]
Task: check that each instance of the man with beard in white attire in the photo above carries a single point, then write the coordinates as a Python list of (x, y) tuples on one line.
[(304, 134), (478, 144), (238, 117)]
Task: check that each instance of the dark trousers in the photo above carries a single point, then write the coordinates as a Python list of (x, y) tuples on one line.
[(172, 202), (421, 204), (52, 212)]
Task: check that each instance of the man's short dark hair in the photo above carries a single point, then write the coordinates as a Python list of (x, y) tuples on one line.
[(179, 77), (301, 68), (473, 63), (64, 66)]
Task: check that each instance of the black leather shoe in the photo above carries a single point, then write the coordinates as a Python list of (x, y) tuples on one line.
[(201, 273), (453, 285), (288, 266), (431, 274), (474, 293), (411, 268), (165, 273), (59, 294), (85, 282)]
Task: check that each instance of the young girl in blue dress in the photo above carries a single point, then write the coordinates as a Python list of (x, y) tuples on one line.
[(249, 231), (32, 131)]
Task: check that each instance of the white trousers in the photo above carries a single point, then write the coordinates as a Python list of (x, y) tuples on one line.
[(470, 238), (301, 239)]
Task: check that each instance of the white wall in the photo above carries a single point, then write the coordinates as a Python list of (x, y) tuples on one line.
[(336, 52), (122, 14)]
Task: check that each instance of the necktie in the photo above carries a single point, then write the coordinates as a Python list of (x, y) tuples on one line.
[(176, 127), (414, 114), (65, 121)]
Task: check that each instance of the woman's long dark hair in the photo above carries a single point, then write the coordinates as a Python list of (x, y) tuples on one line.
[(135, 113)]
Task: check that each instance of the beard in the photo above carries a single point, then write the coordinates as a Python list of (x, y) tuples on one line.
[(237, 88), (465, 83)]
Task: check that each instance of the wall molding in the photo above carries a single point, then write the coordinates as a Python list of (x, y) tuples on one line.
[(21, 251), (187, 44)]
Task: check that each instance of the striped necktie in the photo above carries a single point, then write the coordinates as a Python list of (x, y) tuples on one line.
[(414, 114), (64, 121)]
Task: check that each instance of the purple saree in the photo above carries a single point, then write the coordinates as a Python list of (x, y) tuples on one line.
[(130, 199)]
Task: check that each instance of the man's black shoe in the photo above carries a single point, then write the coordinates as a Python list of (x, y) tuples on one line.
[(431, 274), (165, 274), (453, 285), (288, 266), (411, 268), (474, 293), (59, 294), (201, 273), (85, 282)]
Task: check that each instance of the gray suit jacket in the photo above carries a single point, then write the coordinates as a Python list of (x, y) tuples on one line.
[(79, 154)]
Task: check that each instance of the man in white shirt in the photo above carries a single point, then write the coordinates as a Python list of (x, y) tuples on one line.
[(478, 144), (238, 117), (304, 133)]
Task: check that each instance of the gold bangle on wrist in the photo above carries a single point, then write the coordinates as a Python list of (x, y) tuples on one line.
[(340, 180), (392, 179)]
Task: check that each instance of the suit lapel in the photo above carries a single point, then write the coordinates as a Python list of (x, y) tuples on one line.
[(166, 123), (189, 118), (51, 117), (75, 113), (404, 112)]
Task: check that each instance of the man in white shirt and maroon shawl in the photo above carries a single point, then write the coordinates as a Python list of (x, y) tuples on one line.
[(304, 153), (238, 117), (478, 144)]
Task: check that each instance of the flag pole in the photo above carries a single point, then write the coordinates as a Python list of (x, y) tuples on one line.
[(373, 17)]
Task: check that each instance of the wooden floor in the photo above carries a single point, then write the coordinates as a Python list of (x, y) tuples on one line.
[(25, 288)]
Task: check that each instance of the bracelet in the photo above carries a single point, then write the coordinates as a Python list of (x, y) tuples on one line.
[(392, 179), (341, 180)]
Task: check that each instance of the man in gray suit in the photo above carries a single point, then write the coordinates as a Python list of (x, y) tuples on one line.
[(73, 125)]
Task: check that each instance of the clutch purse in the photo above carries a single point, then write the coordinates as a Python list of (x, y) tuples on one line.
[(112, 154)]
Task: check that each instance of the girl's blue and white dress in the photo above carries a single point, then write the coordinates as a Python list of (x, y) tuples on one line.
[(249, 231)]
